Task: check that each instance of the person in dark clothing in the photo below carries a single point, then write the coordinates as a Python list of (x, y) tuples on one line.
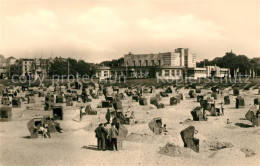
[(164, 128), (57, 126), (83, 97), (108, 116), (237, 103), (80, 114), (101, 137)]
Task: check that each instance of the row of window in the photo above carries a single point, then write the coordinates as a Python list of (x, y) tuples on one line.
[(142, 73), (118, 73), (170, 73), (139, 63), (199, 71)]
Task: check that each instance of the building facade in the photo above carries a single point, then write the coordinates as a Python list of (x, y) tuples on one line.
[(181, 57), (5, 66), (31, 68), (208, 71), (187, 59), (42, 67), (167, 65)]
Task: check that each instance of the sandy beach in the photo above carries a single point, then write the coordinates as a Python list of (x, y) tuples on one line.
[(220, 143)]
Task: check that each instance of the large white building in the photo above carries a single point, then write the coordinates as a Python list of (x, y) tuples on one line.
[(161, 65), (186, 58), (181, 57), (208, 71), (169, 65)]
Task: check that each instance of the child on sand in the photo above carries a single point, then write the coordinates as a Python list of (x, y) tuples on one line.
[(222, 108)]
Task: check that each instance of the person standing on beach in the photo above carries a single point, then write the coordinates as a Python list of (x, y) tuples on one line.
[(222, 108), (80, 114), (113, 132), (101, 137), (108, 116)]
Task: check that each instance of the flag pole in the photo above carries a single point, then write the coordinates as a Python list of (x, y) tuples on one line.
[(68, 69)]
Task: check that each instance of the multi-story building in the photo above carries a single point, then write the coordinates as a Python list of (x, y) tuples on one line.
[(168, 65), (161, 65), (187, 59), (152, 65), (42, 67), (3, 67), (33, 68), (10, 62)]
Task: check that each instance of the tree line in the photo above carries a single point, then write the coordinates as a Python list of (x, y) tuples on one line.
[(236, 63), (61, 66), (70, 66)]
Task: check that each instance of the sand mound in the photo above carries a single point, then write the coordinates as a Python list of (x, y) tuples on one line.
[(170, 149), (248, 152), (71, 108), (216, 145), (35, 107), (187, 121), (142, 138), (256, 132), (231, 127), (191, 122)]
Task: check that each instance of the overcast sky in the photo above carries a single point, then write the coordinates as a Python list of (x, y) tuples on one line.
[(98, 30)]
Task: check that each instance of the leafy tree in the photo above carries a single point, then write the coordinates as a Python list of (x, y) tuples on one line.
[(83, 68), (203, 63), (114, 62), (233, 62), (72, 66), (255, 65), (243, 64), (58, 67)]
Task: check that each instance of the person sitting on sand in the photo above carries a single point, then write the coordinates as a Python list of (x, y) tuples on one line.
[(44, 131), (228, 122), (204, 113), (57, 126), (94, 91), (132, 115), (164, 130), (128, 109)]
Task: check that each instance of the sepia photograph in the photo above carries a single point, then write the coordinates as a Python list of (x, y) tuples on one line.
[(130, 82)]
